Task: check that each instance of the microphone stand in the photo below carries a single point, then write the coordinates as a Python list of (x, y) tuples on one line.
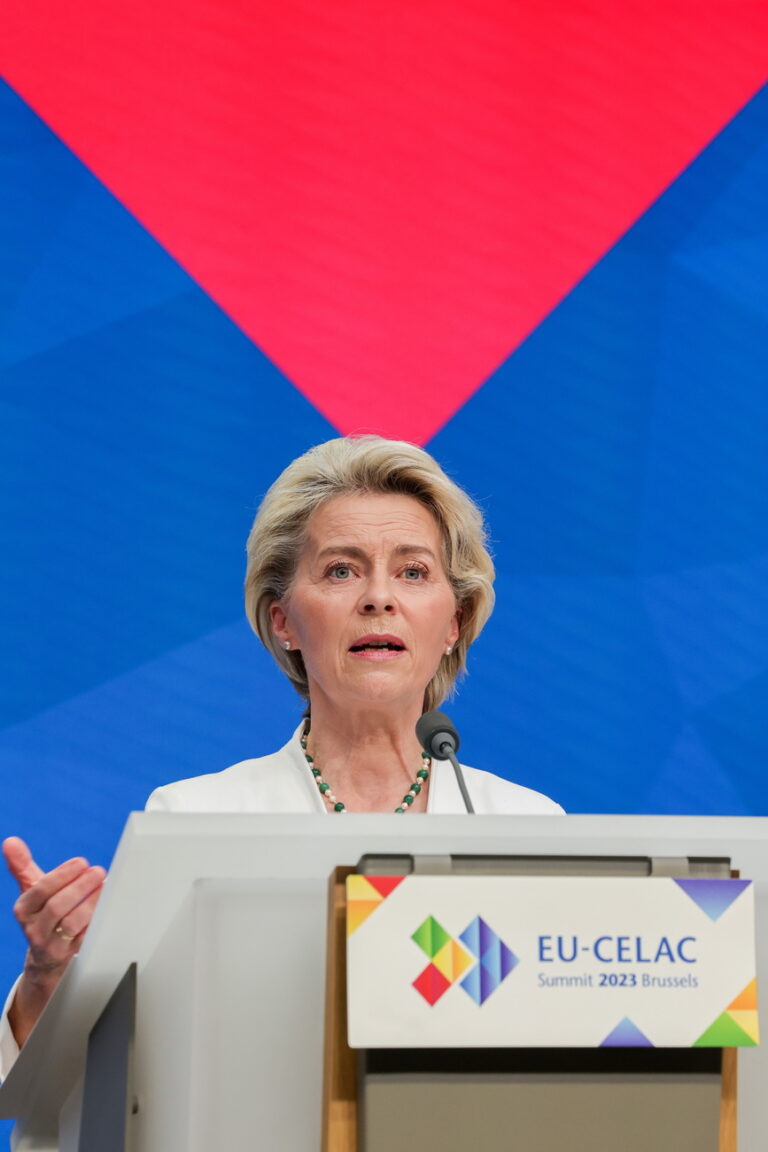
[(447, 753)]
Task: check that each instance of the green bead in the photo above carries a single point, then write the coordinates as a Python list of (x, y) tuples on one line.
[(408, 799), (338, 807), (309, 759), (416, 788), (399, 809), (422, 774), (324, 787), (316, 772)]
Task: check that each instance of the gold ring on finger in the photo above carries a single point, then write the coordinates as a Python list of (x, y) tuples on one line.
[(60, 932)]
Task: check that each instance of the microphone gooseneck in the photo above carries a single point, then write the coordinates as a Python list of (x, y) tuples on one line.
[(438, 737)]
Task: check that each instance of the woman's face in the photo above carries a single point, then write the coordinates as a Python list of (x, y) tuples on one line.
[(371, 608)]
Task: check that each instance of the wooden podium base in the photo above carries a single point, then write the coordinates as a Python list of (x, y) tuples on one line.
[(340, 1061), (728, 1089)]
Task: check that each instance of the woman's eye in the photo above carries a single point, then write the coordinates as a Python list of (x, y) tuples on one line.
[(341, 571), (413, 573)]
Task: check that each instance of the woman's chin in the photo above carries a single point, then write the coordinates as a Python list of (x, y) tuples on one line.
[(379, 687)]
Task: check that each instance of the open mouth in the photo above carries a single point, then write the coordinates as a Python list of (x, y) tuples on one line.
[(377, 646)]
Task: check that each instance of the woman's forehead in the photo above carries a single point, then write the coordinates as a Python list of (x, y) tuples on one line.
[(372, 519)]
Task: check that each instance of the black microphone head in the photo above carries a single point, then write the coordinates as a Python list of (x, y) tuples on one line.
[(434, 731)]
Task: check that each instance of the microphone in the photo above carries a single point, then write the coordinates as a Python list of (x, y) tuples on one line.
[(438, 737)]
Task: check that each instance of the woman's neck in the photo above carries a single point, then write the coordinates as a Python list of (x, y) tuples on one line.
[(369, 757)]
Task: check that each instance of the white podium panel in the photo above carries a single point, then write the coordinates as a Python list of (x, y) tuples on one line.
[(220, 1011), (225, 918)]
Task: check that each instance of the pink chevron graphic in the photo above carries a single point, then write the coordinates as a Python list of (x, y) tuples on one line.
[(387, 199)]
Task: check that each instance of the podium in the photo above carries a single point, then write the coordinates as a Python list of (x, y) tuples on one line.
[(224, 918)]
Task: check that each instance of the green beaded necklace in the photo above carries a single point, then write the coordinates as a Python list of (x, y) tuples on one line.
[(336, 805)]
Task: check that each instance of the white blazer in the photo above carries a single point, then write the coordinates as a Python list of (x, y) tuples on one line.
[(283, 782)]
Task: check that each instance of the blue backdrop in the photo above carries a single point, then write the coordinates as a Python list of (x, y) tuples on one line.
[(620, 454)]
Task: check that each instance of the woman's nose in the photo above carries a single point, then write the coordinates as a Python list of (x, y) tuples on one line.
[(377, 596), (371, 607)]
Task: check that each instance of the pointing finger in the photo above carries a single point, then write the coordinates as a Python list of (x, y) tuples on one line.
[(20, 863)]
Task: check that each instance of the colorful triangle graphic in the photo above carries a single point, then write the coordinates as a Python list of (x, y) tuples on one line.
[(746, 999), (626, 1034), (478, 937), (358, 912), (472, 985), (479, 983), (431, 984), (362, 888), (452, 960), (365, 894), (747, 1019), (362, 901), (430, 936), (725, 1032), (385, 885), (713, 896)]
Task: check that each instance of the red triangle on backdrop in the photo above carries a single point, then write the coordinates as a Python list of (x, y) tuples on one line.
[(387, 198)]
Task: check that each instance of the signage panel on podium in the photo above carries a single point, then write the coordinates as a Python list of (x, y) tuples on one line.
[(571, 961)]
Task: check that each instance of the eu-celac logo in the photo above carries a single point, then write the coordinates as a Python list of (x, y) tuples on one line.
[(478, 960)]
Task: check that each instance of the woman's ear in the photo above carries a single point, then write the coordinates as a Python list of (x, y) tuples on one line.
[(455, 629), (279, 621)]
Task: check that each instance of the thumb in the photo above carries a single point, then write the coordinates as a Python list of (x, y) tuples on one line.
[(20, 863)]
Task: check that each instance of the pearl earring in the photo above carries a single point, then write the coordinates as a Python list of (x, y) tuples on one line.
[(287, 645), (449, 649)]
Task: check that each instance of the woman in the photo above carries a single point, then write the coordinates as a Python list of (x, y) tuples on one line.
[(367, 579)]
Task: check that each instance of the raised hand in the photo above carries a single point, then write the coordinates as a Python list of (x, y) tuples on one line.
[(54, 910)]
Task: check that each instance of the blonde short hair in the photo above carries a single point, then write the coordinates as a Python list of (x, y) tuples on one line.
[(358, 466)]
